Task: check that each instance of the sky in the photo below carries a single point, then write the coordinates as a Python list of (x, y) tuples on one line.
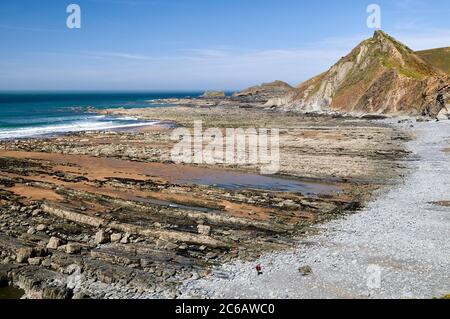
[(182, 45)]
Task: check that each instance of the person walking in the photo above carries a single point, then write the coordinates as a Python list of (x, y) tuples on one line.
[(259, 269)]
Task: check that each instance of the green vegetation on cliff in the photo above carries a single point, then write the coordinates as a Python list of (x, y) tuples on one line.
[(379, 75), (439, 58)]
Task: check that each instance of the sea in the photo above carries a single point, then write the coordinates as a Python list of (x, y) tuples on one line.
[(37, 114)]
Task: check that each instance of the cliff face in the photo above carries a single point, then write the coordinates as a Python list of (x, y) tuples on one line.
[(381, 75), (266, 91)]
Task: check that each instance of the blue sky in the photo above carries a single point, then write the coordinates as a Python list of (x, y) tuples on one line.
[(195, 44)]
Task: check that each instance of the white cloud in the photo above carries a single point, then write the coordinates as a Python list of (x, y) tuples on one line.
[(422, 39), (234, 67), (220, 67), (31, 29), (119, 55)]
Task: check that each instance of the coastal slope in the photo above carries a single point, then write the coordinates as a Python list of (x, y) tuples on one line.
[(380, 76), (440, 58)]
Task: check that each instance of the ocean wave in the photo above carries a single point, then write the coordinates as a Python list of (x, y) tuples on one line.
[(25, 132), (127, 118), (43, 120)]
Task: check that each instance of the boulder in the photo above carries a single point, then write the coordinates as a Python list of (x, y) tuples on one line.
[(204, 230), (36, 212), (101, 237), (116, 237), (125, 238), (36, 261), (41, 227), (305, 270), (23, 254), (54, 243), (73, 248)]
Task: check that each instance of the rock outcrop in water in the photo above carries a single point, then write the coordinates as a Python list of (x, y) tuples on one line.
[(213, 94), (379, 76)]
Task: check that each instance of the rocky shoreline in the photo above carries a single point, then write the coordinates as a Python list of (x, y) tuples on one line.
[(399, 237), (107, 215)]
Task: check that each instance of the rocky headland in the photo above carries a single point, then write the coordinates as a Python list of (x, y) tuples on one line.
[(379, 77)]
